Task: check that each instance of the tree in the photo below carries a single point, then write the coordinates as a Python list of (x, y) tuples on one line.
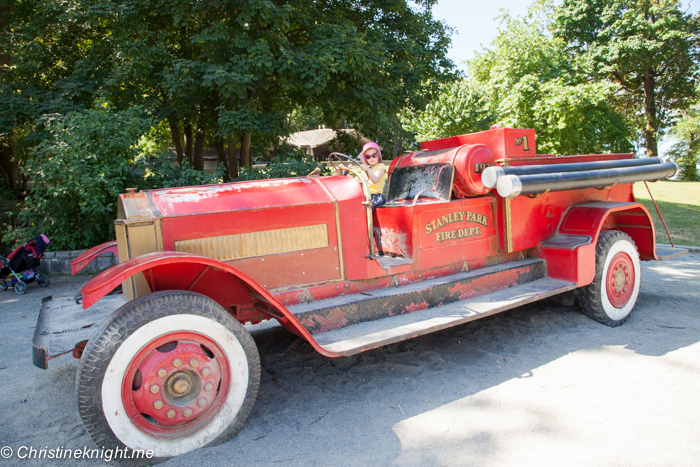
[(527, 79), (458, 109), (232, 70), (648, 47), (686, 150)]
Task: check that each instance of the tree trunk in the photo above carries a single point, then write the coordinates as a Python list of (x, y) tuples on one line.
[(652, 122), (7, 167), (245, 151), (221, 157), (198, 157), (177, 140), (188, 142), (232, 160)]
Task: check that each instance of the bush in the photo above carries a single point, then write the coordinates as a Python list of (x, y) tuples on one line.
[(285, 163), (84, 161)]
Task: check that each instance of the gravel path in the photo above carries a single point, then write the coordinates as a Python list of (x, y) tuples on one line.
[(541, 385)]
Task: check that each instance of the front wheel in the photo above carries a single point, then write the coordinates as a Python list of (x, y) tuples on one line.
[(169, 372), (613, 293)]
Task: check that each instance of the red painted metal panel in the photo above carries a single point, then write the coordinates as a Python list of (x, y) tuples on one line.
[(393, 227), (504, 142), (453, 232), (86, 258), (238, 196), (177, 228), (536, 219), (292, 269), (353, 227)]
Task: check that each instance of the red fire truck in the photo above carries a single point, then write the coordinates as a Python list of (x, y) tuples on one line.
[(473, 225)]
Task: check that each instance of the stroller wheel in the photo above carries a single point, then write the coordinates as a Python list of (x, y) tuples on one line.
[(3, 285), (20, 287), (42, 279)]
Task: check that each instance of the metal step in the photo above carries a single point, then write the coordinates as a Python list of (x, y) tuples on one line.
[(335, 313), (387, 262), (357, 338), (63, 323)]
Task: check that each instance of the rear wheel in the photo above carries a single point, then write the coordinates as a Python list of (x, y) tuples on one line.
[(3, 285), (613, 293), (20, 287), (42, 279), (168, 372)]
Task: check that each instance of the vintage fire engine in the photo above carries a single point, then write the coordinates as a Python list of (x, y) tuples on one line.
[(473, 225)]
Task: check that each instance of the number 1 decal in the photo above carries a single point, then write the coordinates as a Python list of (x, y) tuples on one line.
[(522, 142)]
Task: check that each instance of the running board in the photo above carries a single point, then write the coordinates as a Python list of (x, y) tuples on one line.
[(335, 313), (63, 323), (357, 338)]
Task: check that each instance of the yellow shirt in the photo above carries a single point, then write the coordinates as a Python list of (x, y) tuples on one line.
[(375, 188)]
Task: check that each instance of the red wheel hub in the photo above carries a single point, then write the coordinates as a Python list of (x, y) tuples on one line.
[(619, 282), (176, 384)]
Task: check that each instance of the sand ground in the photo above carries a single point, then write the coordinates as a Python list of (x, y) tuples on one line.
[(541, 385)]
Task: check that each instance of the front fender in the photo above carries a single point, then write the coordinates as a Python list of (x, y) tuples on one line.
[(86, 258), (172, 270)]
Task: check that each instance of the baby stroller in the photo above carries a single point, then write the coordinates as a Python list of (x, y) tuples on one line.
[(26, 259)]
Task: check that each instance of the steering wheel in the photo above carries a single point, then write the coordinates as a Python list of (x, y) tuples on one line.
[(336, 160)]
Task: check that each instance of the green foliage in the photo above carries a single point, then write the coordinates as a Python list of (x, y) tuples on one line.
[(529, 80), (161, 171), (648, 47), (686, 151), (286, 163), (459, 108), (78, 170)]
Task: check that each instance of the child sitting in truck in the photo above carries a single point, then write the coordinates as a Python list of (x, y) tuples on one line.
[(373, 172)]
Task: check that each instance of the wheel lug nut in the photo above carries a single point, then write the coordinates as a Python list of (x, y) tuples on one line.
[(158, 405), (162, 372), (206, 371), (187, 413), (170, 413), (193, 362), (202, 402), (177, 363), (208, 387), (155, 389)]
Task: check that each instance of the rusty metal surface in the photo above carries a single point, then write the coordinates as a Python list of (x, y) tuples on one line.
[(62, 324), (365, 336), (326, 315)]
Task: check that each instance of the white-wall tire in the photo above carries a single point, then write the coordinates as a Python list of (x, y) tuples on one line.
[(611, 297), (128, 338)]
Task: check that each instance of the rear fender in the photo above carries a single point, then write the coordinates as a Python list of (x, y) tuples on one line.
[(570, 254), (89, 256), (172, 270)]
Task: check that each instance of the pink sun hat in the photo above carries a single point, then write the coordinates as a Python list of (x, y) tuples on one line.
[(370, 145)]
